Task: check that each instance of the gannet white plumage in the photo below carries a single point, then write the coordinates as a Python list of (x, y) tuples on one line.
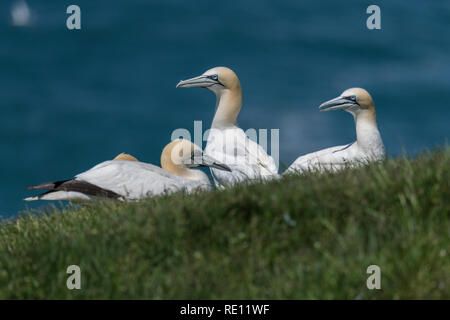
[(129, 179), (226, 141), (368, 146)]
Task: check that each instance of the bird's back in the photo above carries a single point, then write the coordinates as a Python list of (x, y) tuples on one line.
[(132, 180), (326, 159)]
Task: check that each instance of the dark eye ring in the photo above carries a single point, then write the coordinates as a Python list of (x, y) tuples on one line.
[(214, 77), (353, 98)]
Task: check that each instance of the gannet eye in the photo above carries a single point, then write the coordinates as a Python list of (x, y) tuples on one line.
[(213, 77), (353, 98)]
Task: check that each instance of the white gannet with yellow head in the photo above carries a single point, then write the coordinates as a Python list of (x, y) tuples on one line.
[(368, 146), (227, 142), (125, 178)]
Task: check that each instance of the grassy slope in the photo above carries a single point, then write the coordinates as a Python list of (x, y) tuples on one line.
[(301, 237)]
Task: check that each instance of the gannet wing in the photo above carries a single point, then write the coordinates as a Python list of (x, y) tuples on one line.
[(246, 158), (132, 180), (70, 189), (254, 156), (329, 158)]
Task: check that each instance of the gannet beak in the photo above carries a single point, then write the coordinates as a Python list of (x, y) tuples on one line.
[(219, 166), (200, 81), (339, 103), (208, 161), (202, 160)]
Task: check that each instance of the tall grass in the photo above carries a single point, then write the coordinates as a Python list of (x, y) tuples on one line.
[(301, 237)]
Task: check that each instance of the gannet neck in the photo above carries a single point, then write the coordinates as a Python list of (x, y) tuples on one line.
[(194, 175), (367, 134), (228, 106), (184, 172)]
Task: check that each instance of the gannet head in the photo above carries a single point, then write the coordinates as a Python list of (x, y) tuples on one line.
[(125, 157), (216, 79), (354, 100), (180, 156), (227, 87)]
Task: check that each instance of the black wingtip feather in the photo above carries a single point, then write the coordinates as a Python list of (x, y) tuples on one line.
[(77, 186)]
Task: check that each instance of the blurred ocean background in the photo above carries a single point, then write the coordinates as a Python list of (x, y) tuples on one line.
[(71, 99)]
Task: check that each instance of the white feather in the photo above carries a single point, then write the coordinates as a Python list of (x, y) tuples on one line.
[(136, 180), (247, 159)]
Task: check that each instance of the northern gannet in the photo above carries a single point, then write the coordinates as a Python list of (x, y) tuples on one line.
[(133, 180), (227, 142), (368, 146), (125, 156)]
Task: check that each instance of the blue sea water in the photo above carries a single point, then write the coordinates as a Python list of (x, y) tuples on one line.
[(71, 99)]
